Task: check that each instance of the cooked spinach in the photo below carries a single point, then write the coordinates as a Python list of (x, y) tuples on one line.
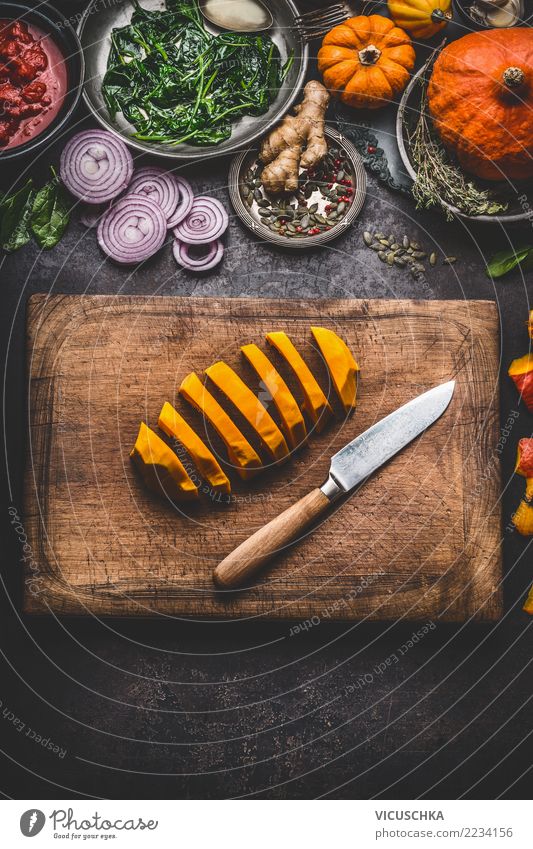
[(15, 212), (50, 214), (176, 82)]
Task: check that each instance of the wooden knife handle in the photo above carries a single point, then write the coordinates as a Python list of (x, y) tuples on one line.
[(269, 540)]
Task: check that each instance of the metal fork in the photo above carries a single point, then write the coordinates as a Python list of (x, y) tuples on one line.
[(317, 23)]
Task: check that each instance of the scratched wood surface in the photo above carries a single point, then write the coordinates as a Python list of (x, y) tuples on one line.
[(420, 540)]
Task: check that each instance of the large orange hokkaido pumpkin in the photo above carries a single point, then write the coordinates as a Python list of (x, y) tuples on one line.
[(480, 97), (366, 61)]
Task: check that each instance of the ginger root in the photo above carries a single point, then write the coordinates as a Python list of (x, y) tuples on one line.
[(298, 142)]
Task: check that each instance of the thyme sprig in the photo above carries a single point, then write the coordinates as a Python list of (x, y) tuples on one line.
[(439, 181)]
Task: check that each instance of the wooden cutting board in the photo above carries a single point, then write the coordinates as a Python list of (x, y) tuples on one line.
[(420, 540)]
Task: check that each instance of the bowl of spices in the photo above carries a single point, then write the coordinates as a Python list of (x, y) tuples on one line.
[(329, 197), (41, 77)]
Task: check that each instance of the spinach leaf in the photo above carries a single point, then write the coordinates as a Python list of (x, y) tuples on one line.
[(15, 211), (50, 214), (504, 261)]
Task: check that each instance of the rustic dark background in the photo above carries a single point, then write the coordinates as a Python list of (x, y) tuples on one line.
[(150, 709)]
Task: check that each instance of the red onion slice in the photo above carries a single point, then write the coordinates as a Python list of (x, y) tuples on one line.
[(213, 255), (158, 185), (184, 204), (96, 166), (206, 221), (132, 230)]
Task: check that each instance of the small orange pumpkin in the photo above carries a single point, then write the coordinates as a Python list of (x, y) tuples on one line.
[(366, 61), (480, 97)]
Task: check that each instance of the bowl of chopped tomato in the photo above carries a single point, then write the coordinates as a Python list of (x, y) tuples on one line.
[(41, 76)]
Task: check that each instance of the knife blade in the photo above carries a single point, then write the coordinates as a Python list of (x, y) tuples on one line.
[(349, 467)]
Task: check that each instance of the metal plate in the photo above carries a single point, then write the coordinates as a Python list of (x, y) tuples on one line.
[(94, 32), (410, 106), (243, 161)]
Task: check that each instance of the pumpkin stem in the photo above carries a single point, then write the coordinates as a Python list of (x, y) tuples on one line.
[(440, 17), (369, 55), (513, 77)]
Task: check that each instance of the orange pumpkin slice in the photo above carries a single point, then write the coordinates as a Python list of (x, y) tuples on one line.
[(523, 517), (291, 417), (240, 452), (175, 426), (341, 365), (521, 371), (250, 407), (315, 402), (160, 469)]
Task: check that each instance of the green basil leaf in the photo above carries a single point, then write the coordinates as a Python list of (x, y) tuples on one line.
[(504, 261), (50, 214), (15, 212)]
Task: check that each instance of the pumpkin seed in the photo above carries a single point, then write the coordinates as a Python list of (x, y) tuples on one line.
[(409, 251), (376, 246), (340, 190), (382, 255), (385, 243), (379, 236), (340, 175), (395, 246), (341, 206), (401, 263), (308, 191), (419, 254), (332, 219), (367, 237), (291, 228), (392, 239), (274, 226), (304, 221), (313, 208), (433, 259), (319, 218), (390, 258), (264, 213), (415, 246), (258, 195), (406, 243), (449, 260)]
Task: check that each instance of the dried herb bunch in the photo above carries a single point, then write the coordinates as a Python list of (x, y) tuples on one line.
[(439, 181)]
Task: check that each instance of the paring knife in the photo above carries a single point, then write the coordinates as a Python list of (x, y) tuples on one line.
[(349, 467)]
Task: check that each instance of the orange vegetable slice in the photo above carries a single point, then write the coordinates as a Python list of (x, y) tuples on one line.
[(523, 518), (341, 365), (521, 371), (160, 469), (315, 402), (240, 452), (528, 606), (249, 405), (291, 417), (175, 426)]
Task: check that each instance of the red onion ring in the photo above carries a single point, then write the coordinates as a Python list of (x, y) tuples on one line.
[(158, 185), (206, 221), (132, 230), (95, 166), (181, 251), (184, 204)]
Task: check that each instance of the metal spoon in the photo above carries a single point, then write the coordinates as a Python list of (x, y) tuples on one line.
[(232, 15)]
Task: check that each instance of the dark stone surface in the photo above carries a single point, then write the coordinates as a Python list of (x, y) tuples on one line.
[(162, 709)]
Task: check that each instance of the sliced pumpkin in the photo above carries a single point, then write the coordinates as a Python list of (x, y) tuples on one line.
[(530, 324), (315, 402), (240, 452), (341, 365), (292, 420), (523, 517), (249, 405), (521, 371), (161, 470), (205, 461)]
